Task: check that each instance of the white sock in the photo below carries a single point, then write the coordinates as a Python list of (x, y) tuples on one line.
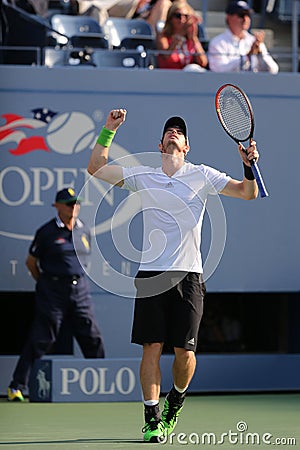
[(181, 391), (150, 402)]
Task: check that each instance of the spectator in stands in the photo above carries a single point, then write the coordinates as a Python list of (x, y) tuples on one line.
[(57, 258), (102, 9), (179, 42), (153, 11), (236, 49)]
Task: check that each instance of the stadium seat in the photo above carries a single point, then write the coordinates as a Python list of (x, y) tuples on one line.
[(54, 57), (89, 41), (71, 57), (138, 42), (119, 58), (82, 31), (123, 31), (81, 57)]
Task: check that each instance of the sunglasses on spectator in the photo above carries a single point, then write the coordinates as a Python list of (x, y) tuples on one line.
[(179, 15)]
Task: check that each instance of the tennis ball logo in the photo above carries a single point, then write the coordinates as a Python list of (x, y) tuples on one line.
[(70, 133)]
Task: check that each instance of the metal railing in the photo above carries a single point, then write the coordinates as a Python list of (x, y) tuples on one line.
[(69, 56)]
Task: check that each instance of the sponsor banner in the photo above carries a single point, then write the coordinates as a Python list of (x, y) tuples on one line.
[(117, 380), (85, 380)]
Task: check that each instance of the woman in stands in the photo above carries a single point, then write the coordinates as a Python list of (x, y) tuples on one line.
[(179, 42)]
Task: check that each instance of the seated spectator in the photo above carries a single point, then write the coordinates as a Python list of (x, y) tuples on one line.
[(152, 11), (181, 48), (102, 9), (236, 49)]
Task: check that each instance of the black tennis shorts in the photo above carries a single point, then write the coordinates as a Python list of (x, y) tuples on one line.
[(168, 308)]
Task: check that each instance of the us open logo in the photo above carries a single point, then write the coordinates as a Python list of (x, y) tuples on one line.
[(46, 150), (47, 130)]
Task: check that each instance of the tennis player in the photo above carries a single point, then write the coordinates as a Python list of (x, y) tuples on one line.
[(170, 287)]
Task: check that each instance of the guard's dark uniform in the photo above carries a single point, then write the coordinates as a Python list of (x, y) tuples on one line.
[(62, 291)]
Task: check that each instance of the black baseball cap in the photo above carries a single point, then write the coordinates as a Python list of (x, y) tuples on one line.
[(176, 122), (237, 7), (66, 196)]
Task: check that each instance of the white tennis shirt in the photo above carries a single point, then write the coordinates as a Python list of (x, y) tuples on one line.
[(173, 209)]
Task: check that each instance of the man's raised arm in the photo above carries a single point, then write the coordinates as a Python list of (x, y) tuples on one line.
[(97, 165)]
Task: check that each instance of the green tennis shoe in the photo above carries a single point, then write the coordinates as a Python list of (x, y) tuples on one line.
[(154, 431), (170, 415)]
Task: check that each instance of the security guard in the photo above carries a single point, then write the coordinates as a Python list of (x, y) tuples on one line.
[(57, 258)]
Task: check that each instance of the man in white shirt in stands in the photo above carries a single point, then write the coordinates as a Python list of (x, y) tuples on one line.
[(237, 50)]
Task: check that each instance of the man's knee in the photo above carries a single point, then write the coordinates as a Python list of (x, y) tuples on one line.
[(152, 349), (184, 356)]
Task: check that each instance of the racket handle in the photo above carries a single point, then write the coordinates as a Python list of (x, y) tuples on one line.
[(259, 180)]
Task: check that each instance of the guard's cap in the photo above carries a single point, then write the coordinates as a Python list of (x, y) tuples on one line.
[(237, 7), (176, 122), (66, 196)]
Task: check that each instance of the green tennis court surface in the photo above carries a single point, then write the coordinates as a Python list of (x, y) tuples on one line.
[(209, 421)]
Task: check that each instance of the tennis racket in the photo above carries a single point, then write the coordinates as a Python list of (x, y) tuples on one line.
[(235, 113)]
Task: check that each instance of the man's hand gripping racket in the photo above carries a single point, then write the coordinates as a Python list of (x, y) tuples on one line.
[(236, 116)]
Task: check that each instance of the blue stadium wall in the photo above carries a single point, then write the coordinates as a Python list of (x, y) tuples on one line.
[(50, 119)]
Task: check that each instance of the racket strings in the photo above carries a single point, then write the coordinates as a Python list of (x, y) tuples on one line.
[(235, 114)]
